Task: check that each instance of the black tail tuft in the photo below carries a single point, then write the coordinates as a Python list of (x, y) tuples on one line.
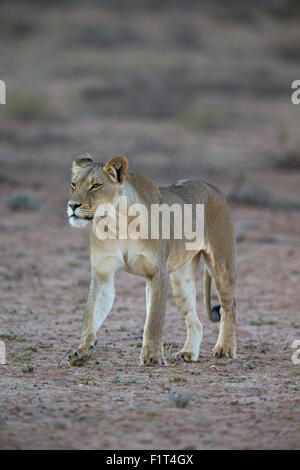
[(215, 313)]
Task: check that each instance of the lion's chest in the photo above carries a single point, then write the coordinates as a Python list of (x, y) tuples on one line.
[(139, 264)]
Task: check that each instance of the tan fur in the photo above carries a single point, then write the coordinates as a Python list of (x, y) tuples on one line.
[(155, 259)]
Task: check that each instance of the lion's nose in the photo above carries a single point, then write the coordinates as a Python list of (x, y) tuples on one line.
[(74, 206)]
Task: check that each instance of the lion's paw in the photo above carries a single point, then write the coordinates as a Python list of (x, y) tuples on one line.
[(79, 356), (152, 358), (224, 350), (185, 356)]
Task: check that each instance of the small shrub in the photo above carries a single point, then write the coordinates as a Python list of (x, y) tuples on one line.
[(253, 195), (24, 200), (59, 425), (203, 116), (289, 160), (27, 368), (27, 108), (177, 378), (124, 380), (259, 196)]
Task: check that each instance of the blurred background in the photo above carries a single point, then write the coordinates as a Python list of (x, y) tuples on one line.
[(185, 89)]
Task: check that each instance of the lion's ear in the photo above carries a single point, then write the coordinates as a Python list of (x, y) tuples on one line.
[(116, 169), (81, 161)]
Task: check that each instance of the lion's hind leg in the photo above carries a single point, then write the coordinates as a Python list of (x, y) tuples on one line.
[(223, 273), (184, 291)]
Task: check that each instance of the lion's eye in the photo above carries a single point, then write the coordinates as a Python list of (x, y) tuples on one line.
[(95, 187), (73, 185)]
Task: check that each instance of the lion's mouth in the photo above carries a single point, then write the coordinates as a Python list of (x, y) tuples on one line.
[(87, 217)]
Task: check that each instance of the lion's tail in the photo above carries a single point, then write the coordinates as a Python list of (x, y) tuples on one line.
[(213, 313)]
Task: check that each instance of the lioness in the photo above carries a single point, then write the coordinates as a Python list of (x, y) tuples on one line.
[(94, 184)]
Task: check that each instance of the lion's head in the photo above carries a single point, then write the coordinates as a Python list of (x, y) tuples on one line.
[(93, 184)]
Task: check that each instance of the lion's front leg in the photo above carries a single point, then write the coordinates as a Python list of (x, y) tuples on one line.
[(156, 298), (99, 303)]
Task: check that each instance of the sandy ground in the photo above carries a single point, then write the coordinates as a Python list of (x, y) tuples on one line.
[(111, 402), (183, 92)]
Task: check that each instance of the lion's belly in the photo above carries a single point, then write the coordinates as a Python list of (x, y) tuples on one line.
[(179, 257)]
